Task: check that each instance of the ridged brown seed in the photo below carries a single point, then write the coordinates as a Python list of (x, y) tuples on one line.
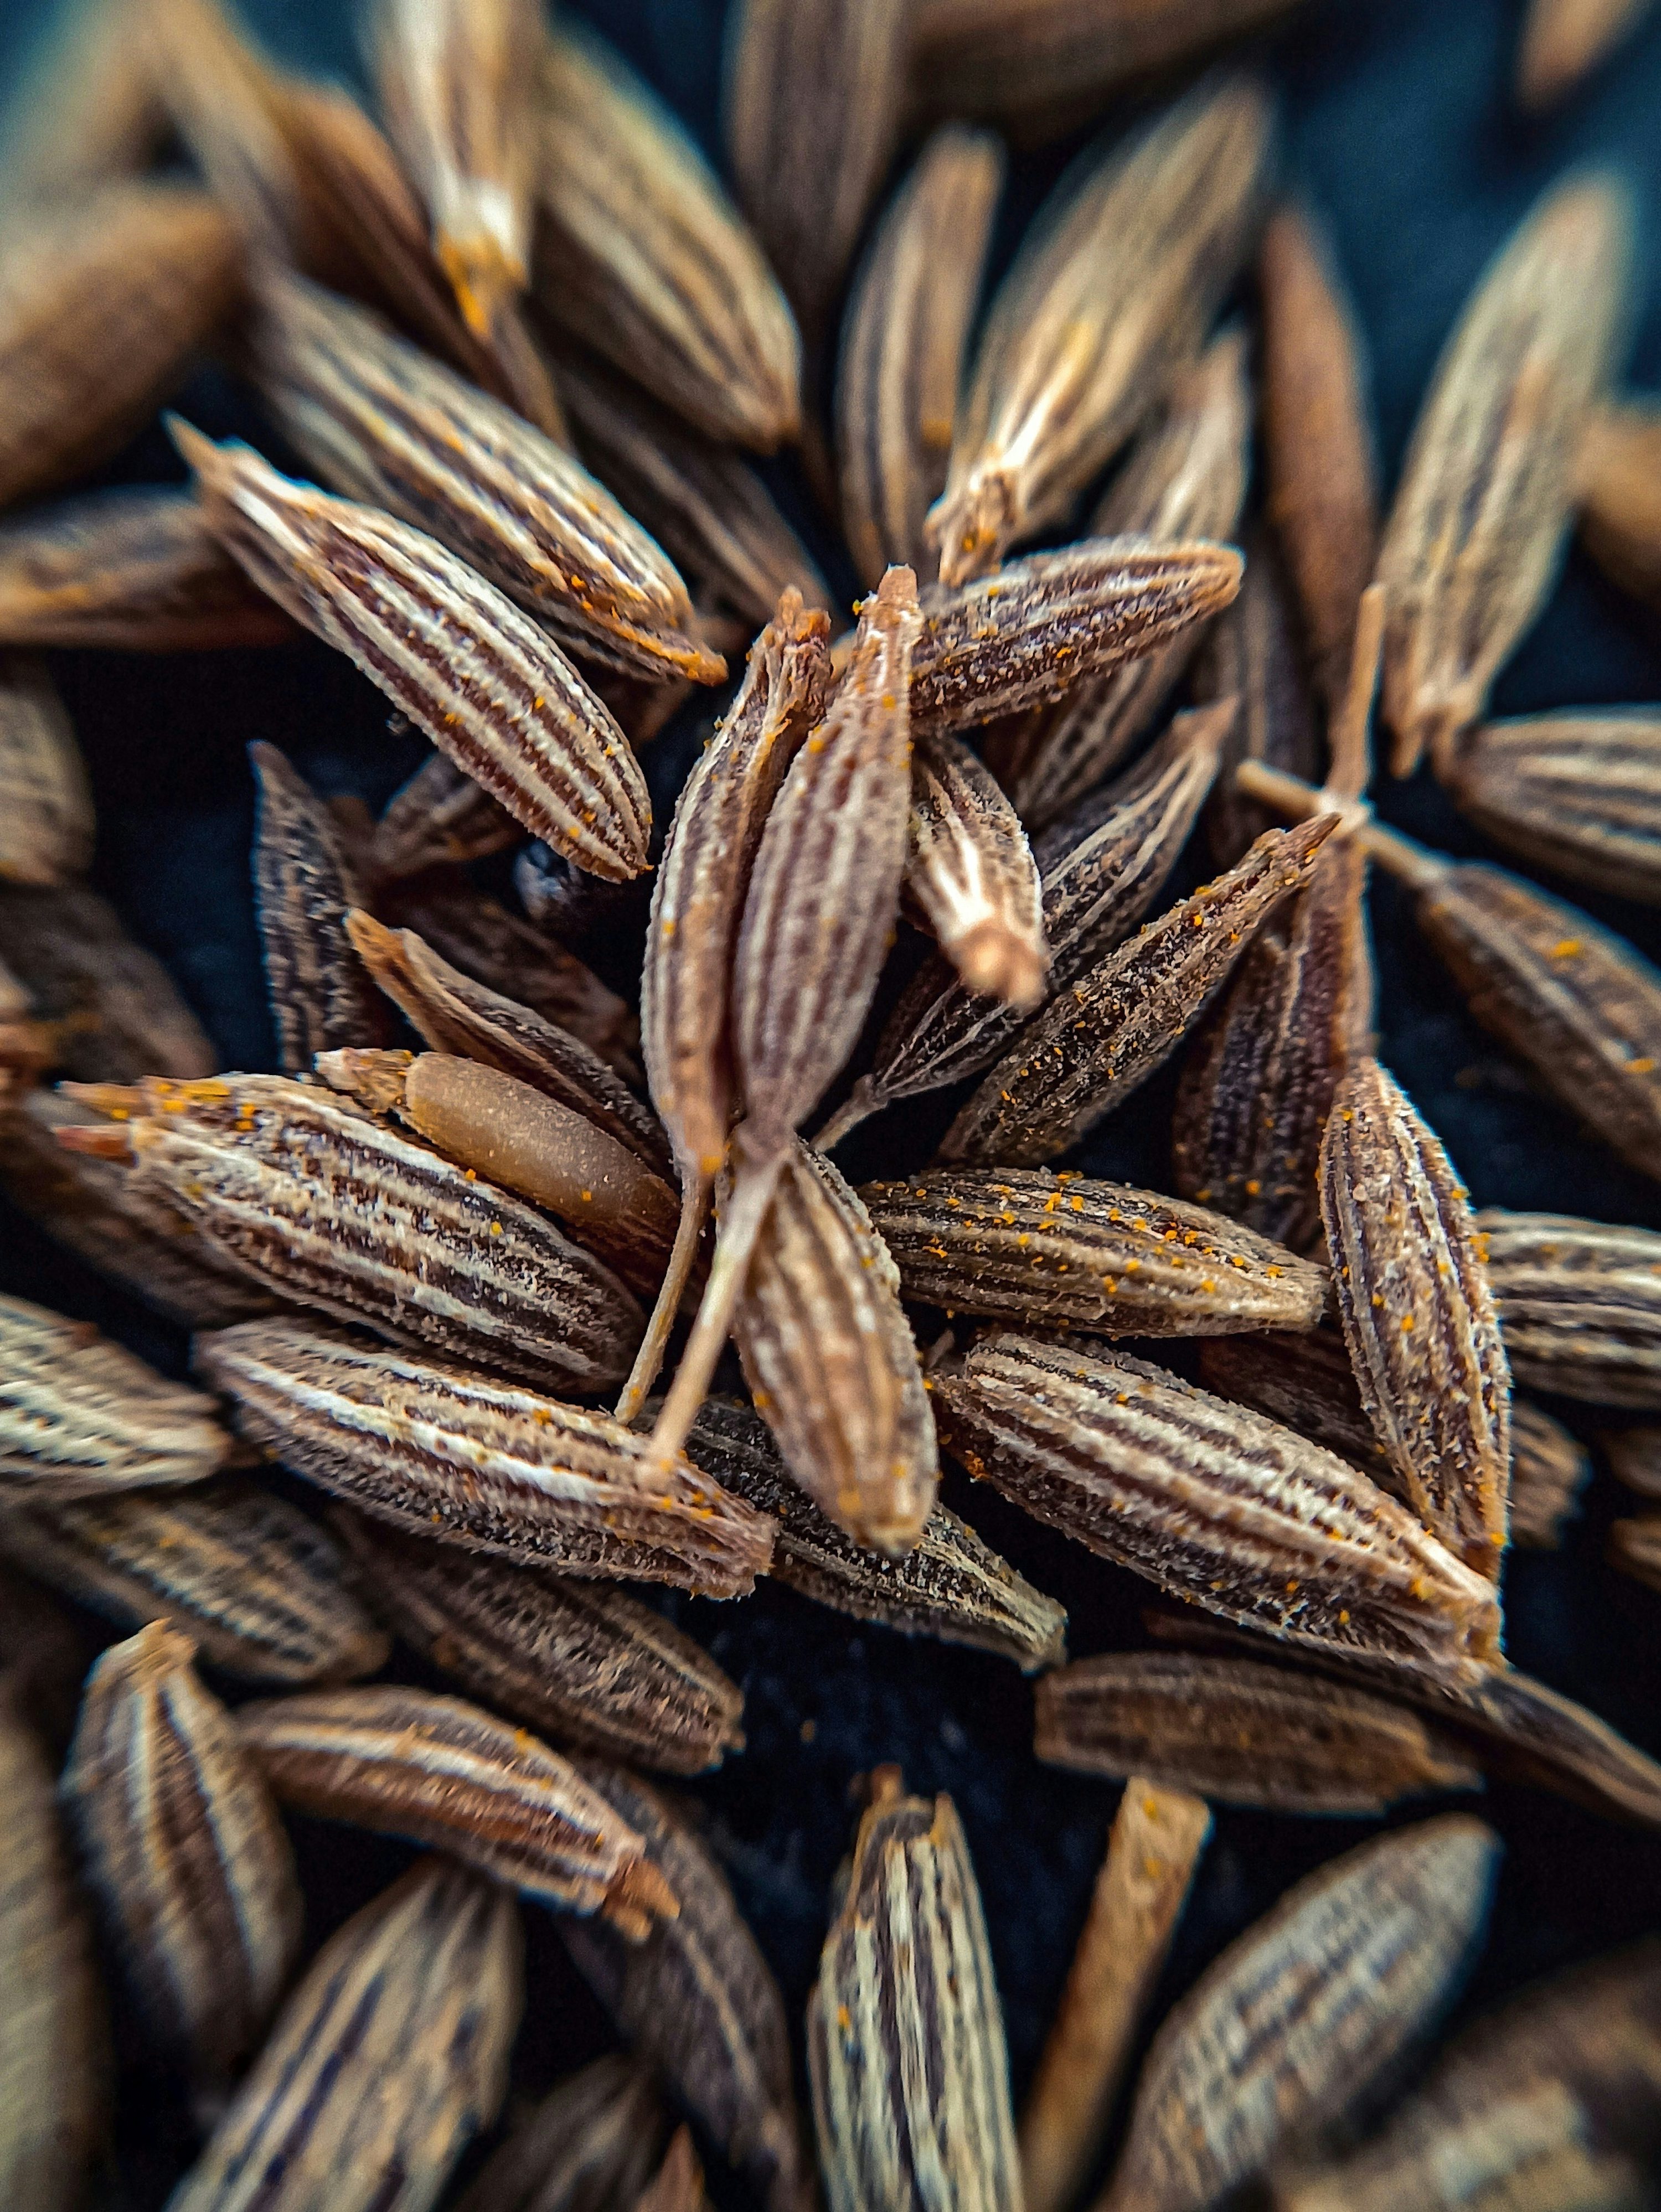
[(1068, 1251), (468, 667), (1152, 1849), (831, 1362), (85, 107), (949, 1585), (1579, 1304), (439, 818), (457, 83), (102, 302), (1251, 658), (580, 1662), (388, 2058), (115, 1013), (260, 1589), (331, 1210), (1050, 621), (184, 1852), (321, 995), (1298, 2018), (1483, 506), (1109, 1031), (52, 2035), (1564, 40), (471, 1020), (1417, 1314), (438, 1451), (642, 256), (815, 104), (80, 1416), (1574, 792), (905, 2040), (1117, 282), (384, 423), (1256, 1092), (135, 570), (46, 827), (1322, 491), (1100, 868), (696, 2001), (704, 504), (1185, 479), (1616, 478), (1243, 1735), (1212, 1502), (970, 872), (443, 1771), (902, 341), (590, 2144), (1550, 2101)]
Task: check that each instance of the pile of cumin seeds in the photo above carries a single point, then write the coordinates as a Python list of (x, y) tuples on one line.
[(828, 1699)]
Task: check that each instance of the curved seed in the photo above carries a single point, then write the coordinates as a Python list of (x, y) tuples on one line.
[(640, 255), (1070, 1252), (1576, 792), (591, 2143), (1617, 475), (184, 1851), (1212, 1502), (1579, 1304), (970, 870), (438, 1451), (47, 828), (1564, 40), (115, 1013)]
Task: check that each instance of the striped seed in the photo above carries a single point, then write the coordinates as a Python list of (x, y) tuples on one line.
[(439, 818), (1616, 476), (1564, 40), (1579, 1304), (114, 1013), (970, 871), (591, 2144), (1574, 792), (47, 828)]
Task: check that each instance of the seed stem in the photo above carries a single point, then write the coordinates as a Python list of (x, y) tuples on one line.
[(693, 1211), (1412, 863), (861, 1103)]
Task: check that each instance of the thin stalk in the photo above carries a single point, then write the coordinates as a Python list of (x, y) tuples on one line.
[(1412, 863), (861, 1103), (695, 1192)]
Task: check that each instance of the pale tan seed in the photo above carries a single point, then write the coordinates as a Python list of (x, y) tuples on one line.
[(1215, 1503), (905, 2040), (1155, 1843), (185, 1853), (970, 872), (438, 1451), (590, 2143), (439, 818), (1069, 1251), (949, 1585), (1564, 40), (46, 827), (642, 256), (1289, 2030), (1574, 792), (1579, 1304), (85, 107), (1618, 473), (114, 1013), (1477, 529), (1115, 285), (903, 342), (391, 2054)]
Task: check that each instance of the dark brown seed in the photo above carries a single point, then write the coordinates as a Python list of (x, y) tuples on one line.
[(582, 1663), (589, 2145), (1250, 657), (1110, 1028), (949, 1585), (970, 873), (1066, 1251), (115, 1013), (1574, 792), (1212, 1502), (1620, 504), (1242, 1734), (439, 818)]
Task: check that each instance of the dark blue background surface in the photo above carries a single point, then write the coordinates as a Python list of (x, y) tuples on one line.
[(1397, 125)]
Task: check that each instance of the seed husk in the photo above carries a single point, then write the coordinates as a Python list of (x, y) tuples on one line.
[(1117, 282), (1157, 1838), (903, 343), (1243, 1733), (949, 1585), (1110, 1028), (1574, 792), (815, 103), (53, 2054), (1483, 507), (1616, 472), (640, 255), (182, 1850), (1300, 2016), (114, 1013), (1417, 1314), (970, 872), (581, 1663), (1068, 1251), (1185, 479), (80, 1416), (391, 2054), (385, 424), (468, 667), (47, 828), (905, 2041), (439, 818), (260, 1589), (1100, 868), (590, 2144), (1212, 1502), (698, 2000), (443, 1771), (1564, 40), (437, 1451), (1251, 660), (1579, 1304)]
